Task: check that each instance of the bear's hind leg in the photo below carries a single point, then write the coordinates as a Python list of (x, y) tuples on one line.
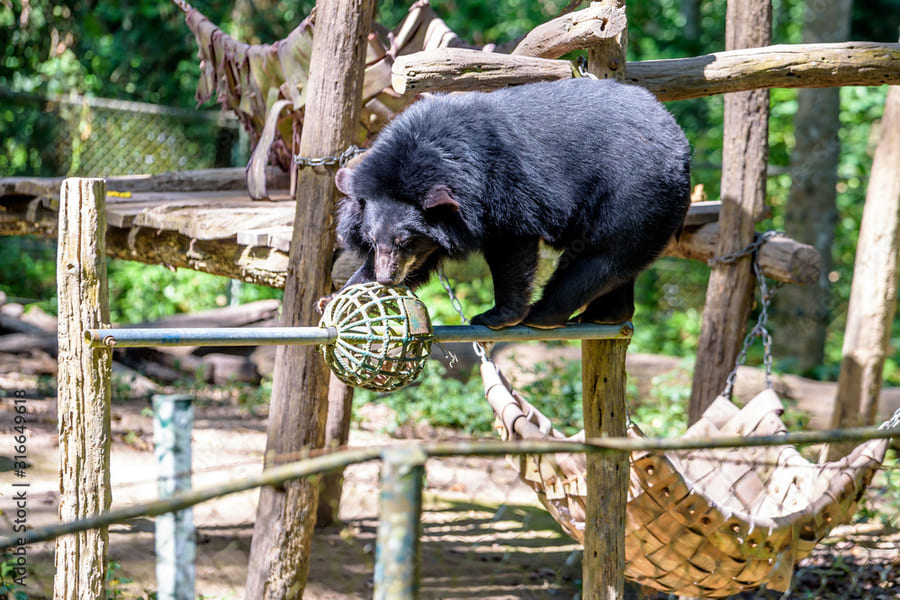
[(616, 306), (578, 280)]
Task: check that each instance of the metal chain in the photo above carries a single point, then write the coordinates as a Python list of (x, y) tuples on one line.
[(751, 249), (582, 67), (341, 159), (765, 296), (478, 347)]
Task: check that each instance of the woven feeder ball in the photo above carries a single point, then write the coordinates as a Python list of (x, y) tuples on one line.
[(383, 336)]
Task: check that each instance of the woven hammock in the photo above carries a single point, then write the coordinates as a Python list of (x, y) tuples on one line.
[(705, 523)]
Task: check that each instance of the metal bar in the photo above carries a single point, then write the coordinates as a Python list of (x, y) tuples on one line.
[(173, 420), (253, 336), (210, 336), (400, 512)]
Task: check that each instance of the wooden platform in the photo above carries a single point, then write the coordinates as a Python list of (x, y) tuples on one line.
[(204, 220)]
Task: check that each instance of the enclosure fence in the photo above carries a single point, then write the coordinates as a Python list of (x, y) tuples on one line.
[(83, 135)]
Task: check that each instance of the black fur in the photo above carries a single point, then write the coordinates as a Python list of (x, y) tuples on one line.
[(595, 168)]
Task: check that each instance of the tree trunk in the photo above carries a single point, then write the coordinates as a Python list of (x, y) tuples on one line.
[(800, 314), (84, 390), (279, 554), (873, 296), (744, 156)]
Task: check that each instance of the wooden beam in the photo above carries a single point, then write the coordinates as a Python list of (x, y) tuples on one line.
[(459, 69), (779, 66), (745, 151), (781, 258), (282, 534), (83, 391), (573, 31)]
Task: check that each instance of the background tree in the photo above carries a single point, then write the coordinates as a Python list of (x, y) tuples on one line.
[(801, 313)]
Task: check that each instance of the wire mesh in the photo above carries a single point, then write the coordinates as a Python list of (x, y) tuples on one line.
[(84, 136)]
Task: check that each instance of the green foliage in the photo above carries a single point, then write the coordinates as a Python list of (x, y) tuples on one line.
[(438, 399), (8, 586), (28, 270), (140, 292)]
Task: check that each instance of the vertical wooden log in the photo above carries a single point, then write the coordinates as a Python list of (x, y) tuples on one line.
[(873, 295), (603, 399), (337, 430), (606, 60), (84, 389), (603, 389), (279, 553), (745, 152), (399, 522)]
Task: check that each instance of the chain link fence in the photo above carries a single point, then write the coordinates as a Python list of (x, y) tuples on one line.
[(84, 136)]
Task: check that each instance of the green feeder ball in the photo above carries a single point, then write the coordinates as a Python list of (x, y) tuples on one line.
[(383, 336)]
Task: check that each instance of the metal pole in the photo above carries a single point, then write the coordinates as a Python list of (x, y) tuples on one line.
[(253, 336), (173, 420), (400, 511)]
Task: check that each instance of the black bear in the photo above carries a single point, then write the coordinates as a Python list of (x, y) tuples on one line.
[(595, 168)]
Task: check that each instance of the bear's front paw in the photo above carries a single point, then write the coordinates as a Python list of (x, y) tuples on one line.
[(323, 302), (498, 318)]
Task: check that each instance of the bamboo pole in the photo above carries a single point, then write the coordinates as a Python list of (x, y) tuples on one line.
[(282, 534), (83, 389)]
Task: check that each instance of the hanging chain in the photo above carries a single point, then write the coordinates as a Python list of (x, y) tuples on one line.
[(478, 347), (765, 296), (341, 159), (582, 68)]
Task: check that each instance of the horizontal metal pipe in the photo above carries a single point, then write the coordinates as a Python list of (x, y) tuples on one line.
[(210, 336), (258, 336), (576, 331)]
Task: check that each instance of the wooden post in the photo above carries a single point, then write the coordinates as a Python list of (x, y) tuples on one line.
[(873, 296), (84, 389), (603, 398), (603, 390), (279, 553), (745, 150)]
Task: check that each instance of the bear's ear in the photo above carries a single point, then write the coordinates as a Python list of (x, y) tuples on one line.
[(343, 179), (440, 196)]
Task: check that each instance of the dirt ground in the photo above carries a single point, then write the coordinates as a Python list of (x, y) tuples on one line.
[(484, 534)]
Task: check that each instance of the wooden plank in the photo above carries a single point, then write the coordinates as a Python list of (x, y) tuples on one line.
[(209, 223), (176, 181)]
